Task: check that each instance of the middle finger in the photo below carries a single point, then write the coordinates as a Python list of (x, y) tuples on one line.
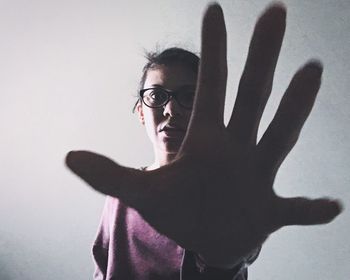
[(256, 81)]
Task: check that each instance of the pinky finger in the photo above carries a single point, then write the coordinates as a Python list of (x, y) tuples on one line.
[(304, 211)]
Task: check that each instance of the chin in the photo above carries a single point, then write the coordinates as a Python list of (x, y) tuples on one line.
[(172, 147)]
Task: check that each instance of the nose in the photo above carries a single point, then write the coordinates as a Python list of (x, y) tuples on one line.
[(172, 108)]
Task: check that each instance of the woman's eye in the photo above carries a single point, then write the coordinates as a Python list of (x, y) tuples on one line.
[(187, 96), (158, 95)]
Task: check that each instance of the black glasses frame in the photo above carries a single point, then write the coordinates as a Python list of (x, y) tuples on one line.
[(170, 94)]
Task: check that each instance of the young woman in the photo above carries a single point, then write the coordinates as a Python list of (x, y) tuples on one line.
[(206, 204), (127, 247)]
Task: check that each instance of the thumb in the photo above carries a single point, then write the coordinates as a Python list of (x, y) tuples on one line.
[(106, 176)]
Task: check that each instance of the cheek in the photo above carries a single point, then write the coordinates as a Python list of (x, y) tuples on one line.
[(152, 121), (187, 116)]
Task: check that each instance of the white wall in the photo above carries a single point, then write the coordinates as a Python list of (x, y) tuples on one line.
[(68, 72)]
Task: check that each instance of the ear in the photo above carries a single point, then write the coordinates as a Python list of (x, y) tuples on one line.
[(140, 112)]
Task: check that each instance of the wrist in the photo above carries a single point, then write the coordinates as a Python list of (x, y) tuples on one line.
[(227, 264)]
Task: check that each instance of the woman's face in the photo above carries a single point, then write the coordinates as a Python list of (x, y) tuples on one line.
[(166, 126)]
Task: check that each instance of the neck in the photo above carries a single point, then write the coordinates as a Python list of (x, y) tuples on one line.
[(161, 158)]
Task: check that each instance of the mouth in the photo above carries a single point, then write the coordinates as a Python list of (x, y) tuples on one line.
[(172, 128), (173, 131)]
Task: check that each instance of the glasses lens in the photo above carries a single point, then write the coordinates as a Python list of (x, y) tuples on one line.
[(186, 98), (155, 97)]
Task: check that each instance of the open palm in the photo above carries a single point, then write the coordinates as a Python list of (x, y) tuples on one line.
[(216, 198)]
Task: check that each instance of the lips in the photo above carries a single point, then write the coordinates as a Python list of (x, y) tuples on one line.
[(173, 131)]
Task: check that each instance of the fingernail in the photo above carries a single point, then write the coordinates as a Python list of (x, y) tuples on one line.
[(214, 9), (338, 204), (278, 9), (69, 157), (314, 68)]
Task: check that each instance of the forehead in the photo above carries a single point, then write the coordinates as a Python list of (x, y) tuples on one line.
[(170, 76)]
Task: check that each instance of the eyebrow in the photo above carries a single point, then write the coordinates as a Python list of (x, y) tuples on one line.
[(181, 87)]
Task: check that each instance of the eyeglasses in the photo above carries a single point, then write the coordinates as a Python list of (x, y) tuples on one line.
[(158, 97)]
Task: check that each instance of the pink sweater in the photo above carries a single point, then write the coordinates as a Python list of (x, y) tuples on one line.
[(128, 248)]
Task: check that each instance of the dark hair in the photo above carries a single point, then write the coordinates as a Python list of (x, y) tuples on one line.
[(168, 57)]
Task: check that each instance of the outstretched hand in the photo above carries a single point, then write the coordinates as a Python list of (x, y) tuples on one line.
[(216, 198)]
